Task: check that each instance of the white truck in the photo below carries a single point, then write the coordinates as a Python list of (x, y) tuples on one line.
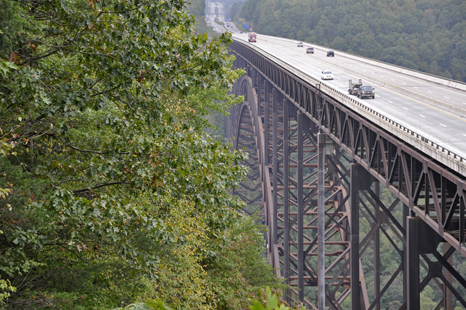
[(353, 87)]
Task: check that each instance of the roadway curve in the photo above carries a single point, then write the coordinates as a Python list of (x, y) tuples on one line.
[(411, 106)]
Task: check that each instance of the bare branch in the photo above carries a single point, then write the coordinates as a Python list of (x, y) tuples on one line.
[(98, 186)]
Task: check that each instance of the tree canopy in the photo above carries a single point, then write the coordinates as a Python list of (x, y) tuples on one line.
[(111, 191)]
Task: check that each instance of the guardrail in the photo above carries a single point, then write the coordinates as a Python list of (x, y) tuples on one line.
[(433, 149)]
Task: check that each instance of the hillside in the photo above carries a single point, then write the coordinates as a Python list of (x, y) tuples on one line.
[(425, 35)]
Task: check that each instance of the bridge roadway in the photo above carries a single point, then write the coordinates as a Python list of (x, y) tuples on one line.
[(417, 104)]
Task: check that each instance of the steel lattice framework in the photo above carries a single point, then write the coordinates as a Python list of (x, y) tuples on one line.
[(377, 189)]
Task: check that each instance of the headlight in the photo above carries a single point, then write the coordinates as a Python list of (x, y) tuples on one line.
[(373, 92), (363, 92)]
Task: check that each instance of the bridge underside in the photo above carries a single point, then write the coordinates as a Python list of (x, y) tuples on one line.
[(394, 220)]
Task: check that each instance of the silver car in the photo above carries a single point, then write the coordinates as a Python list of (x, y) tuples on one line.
[(300, 44)]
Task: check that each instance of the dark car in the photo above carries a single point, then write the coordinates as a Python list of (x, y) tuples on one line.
[(330, 54), (310, 50), (366, 91)]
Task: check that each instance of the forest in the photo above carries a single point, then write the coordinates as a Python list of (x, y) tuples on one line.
[(424, 35), (113, 193)]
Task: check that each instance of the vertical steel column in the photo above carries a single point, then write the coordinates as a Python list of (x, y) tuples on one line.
[(447, 294), (354, 282), (286, 206), (377, 248), (405, 253), (360, 180), (267, 90), (275, 166), (260, 83), (412, 263), (321, 221), (253, 77), (300, 181)]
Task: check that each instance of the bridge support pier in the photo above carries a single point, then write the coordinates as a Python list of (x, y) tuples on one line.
[(378, 220), (286, 190), (300, 181), (412, 262), (360, 180), (448, 295)]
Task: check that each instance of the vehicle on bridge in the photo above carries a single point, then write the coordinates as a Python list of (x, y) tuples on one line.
[(360, 90), (251, 37), (310, 50), (366, 91), (300, 44), (330, 54), (327, 75), (353, 87)]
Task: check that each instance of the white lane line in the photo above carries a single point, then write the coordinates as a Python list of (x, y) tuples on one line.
[(405, 108), (392, 79), (464, 134), (389, 101), (422, 116), (446, 97), (403, 83), (442, 125), (430, 92)]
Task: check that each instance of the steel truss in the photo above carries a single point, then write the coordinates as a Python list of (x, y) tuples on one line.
[(422, 213)]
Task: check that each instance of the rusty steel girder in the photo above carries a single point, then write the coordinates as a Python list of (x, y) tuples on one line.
[(423, 220)]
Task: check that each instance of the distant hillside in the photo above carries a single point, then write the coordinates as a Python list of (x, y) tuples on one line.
[(426, 35)]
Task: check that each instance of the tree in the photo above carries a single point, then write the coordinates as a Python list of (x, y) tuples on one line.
[(116, 187)]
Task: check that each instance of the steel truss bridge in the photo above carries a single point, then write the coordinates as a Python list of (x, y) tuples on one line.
[(380, 194)]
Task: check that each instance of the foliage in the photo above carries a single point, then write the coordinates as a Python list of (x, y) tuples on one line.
[(5, 290), (148, 305), (426, 35), (240, 270), (112, 190), (271, 302)]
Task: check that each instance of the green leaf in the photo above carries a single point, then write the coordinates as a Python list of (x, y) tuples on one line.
[(256, 305), (272, 299)]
